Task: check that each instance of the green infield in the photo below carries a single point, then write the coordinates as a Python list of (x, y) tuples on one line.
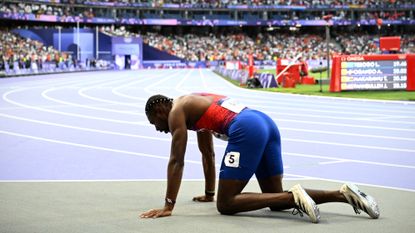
[(315, 90)]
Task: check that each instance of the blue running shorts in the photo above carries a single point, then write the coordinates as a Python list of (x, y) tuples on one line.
[(254, 147)]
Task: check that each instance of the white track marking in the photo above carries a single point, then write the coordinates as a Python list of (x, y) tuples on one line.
[(195, 142)]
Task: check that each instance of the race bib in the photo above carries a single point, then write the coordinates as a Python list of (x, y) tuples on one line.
[(232, 105), (232, 159)]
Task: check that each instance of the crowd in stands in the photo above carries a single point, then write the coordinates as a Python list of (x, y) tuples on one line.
[(44, 9), (23, 55), (19, 53), (225, 3), (264, 46), (89, 11), (237, 46), (209, 47)]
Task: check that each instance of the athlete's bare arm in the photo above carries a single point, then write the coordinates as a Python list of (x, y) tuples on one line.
[(185, 111), (205, 142), (178, 129)]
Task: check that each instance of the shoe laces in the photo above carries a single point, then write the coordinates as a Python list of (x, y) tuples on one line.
[(298, 211), (357, 204)]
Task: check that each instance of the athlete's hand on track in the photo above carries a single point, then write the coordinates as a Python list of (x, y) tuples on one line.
[(204, 198), (156, 213)]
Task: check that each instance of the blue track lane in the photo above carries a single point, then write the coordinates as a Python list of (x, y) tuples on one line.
[(91, 126)]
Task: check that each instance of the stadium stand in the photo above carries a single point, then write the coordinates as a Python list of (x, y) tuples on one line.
[(21, 56), (265, 46), (248, 10)]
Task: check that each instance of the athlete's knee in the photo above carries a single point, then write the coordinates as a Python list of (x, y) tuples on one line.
[(225, 207)]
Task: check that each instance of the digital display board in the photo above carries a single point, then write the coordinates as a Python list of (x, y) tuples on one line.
[(373, 75), (373, 72), (126, 45)]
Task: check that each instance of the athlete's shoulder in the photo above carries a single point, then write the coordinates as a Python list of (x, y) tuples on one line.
[(186, 102), (209, 94)]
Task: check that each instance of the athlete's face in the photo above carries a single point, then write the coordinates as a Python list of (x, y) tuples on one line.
[(159, 120)]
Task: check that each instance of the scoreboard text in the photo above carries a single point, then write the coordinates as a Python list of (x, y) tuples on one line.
[(372, 72)]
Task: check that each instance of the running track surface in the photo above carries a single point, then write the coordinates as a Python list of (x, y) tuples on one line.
[(92, 126)]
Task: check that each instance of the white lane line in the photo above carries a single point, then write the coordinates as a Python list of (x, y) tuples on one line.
[(348, 181), (41, 85), (347, 134), (5, 98), (181, 83), (388, 117), (195, 142), (145, 123), (82, 91), (341, 124), (322, 117), (332, 162), (356, 110), (52, 106), (83, 128), (284, 139), (92, 147), (349, 145), (148, 88), (202, 76), (45, 95), (135, 105), (116, 91), (46, 83), (299, 110), (347, 160), (87, 88)]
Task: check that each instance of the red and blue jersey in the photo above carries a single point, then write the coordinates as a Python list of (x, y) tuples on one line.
[(254, 142), (219, 115)]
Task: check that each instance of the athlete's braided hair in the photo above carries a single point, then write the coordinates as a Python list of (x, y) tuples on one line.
[(154, 100)]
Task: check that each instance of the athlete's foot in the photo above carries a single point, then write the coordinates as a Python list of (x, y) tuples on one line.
[(305, 204), (360, 201)]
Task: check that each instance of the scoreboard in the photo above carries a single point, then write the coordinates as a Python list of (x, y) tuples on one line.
[(373, 75), (373, 72)]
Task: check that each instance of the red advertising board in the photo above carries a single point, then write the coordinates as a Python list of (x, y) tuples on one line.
[(390, 43)]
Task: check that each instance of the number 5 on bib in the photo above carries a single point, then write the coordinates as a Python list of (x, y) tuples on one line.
[(232, 159)]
